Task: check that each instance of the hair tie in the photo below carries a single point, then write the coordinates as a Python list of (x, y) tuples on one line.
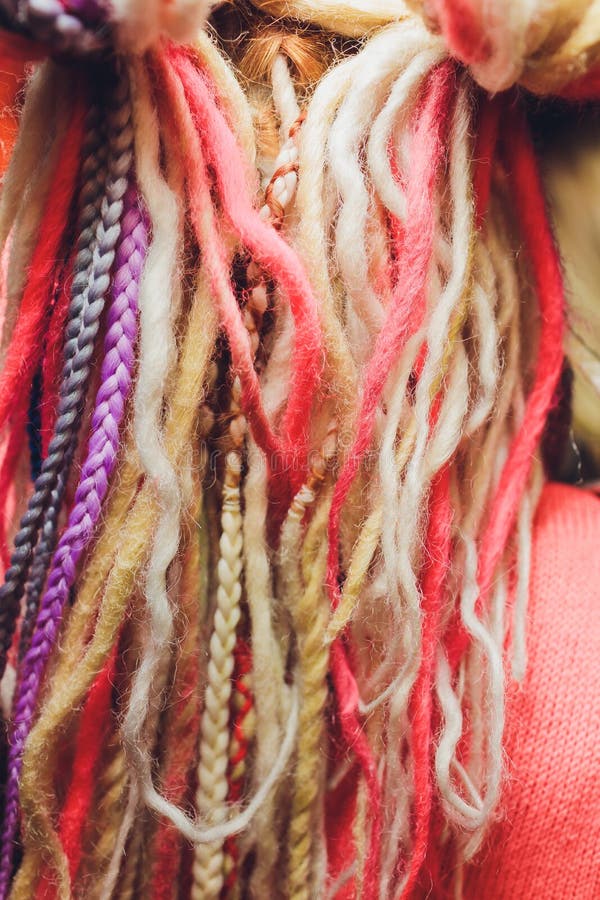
[(81, 27), (547, 47)]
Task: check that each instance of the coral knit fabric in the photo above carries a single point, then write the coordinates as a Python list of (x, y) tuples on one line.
[(547, 843)]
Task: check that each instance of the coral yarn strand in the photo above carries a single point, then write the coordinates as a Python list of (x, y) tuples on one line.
[(24, 351), (545, 264), (266, 245), (213, 249), (438, 544)]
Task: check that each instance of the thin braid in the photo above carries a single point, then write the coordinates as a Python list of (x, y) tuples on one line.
[(115, 383), (281, 189), (42, 554), (104, 433), (47, 625), (41, 562), (309, 611), (92, 180), (208, 869), (208, 858), (110, 403)]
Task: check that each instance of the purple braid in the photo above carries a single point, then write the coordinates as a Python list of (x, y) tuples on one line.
[(109, 409)]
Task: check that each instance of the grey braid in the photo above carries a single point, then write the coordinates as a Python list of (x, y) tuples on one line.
[(89, 291), (40, 564)]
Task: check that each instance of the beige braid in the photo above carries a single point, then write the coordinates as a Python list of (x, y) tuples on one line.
[(281, 189), (212, 790), (213, 862)]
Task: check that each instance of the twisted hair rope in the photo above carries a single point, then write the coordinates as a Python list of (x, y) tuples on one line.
[(117, 368), (78, 351), (92, 177)]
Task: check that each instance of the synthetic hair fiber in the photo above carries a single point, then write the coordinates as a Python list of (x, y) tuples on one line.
[(282, 379)]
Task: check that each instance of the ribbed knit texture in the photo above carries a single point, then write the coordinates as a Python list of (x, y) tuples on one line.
[(547, 845)]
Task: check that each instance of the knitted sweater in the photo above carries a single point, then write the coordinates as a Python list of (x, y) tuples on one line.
[(547, 842)]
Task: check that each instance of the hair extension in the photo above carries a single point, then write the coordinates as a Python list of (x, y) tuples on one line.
[(209, 867), (266, 666), (547, 273), (87, 321), (214, 729), (137, 522), (268, 614), (25, 539), (109, 409), (271, 252), (83, 326)]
